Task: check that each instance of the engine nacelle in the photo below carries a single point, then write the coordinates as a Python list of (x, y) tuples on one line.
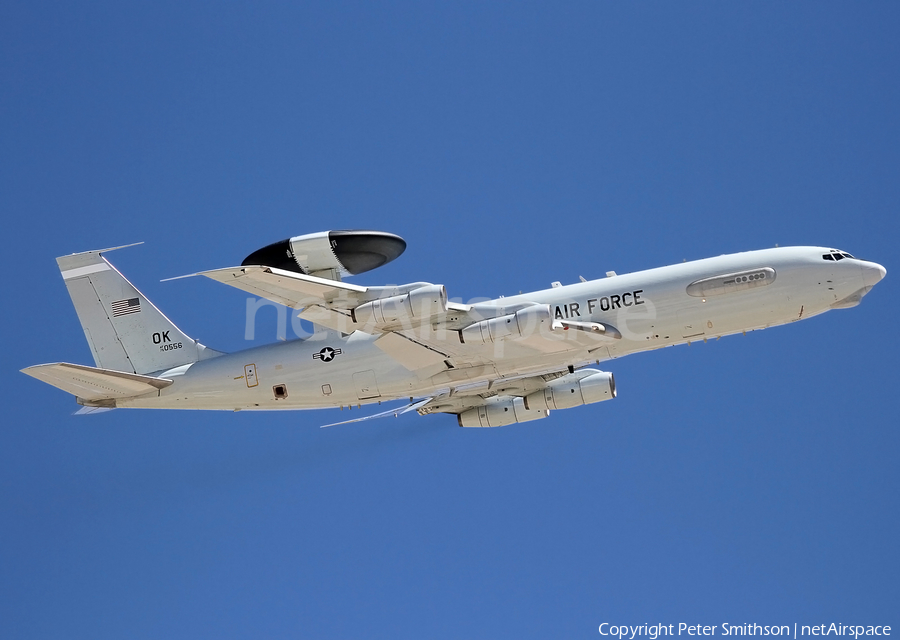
[(330, 254), (420, 303), (499, 412), (523, 323), (573, 391)]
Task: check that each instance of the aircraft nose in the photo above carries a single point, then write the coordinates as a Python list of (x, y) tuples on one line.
[(873, 273)]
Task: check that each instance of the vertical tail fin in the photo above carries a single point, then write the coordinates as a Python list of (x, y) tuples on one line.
[(125, 331)]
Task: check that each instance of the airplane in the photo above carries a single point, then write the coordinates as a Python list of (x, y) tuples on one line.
[(493, 363)]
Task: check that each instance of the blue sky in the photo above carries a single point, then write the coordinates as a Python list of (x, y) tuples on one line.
[(748, 480)]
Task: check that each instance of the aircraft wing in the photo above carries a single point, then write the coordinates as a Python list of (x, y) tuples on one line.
[(323, 301), (288, 288), (466, 396), (462, 397)]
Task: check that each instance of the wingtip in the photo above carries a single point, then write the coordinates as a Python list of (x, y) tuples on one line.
[(89, 411), (396, 412), (189, 275)]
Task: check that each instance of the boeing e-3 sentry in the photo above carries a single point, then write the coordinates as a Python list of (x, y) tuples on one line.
[(492, 363)]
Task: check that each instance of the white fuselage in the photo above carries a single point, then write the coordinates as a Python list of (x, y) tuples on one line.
[(650, 309)]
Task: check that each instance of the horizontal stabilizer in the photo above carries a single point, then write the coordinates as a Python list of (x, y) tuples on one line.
[(93, 384)]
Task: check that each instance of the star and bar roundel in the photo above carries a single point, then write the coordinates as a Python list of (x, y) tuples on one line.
[(327, 354)]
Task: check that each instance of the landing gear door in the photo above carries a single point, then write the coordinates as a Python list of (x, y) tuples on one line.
[(366, 386), (690, 323)]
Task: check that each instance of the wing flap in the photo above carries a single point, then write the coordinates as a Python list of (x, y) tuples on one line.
[(317, 314), (411, 354), (91, 383)]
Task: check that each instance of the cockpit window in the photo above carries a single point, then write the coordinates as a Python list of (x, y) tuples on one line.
[(834, 254)]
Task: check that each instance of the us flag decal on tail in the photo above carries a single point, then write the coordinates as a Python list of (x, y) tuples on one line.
[(125, 307)]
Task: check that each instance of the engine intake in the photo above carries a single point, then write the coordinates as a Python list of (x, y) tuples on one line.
[(423, 302), (521, 324), (499, 412), (573, 391)]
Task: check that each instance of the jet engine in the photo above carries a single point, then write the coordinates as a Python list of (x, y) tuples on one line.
[(523, 323), (423, 302), (583, 387), (499, 412), (330, 254)]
